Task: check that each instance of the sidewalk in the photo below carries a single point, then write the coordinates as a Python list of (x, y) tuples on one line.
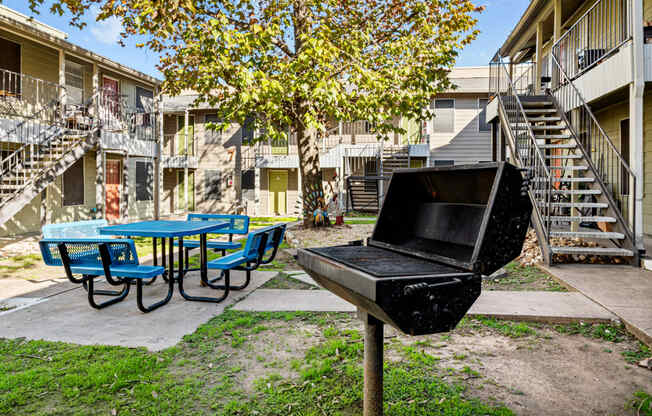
[(625, 291)]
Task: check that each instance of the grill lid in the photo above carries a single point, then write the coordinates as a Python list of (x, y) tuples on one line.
[(469, 216)]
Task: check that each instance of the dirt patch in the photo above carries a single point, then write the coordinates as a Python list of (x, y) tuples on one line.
[(546, 372), (328, 236)]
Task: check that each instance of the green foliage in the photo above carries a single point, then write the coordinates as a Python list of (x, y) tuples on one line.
[(300, 65), (636, 355), (641, 403), (606, 332), (506, 328)]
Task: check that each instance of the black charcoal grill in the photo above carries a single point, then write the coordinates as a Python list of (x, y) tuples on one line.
[(438, 231)]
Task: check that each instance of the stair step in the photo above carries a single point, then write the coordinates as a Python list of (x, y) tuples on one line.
[(552, 136), (565, 179), (581, 218), (577, 204), (602, 251), (540, 110), (544, 119), (551, 127), (571, 156), (557, 146), (537, 103), (588, 234), (574, 191), (569, 168)]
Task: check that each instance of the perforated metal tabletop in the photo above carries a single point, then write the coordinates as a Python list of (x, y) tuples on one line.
[(164, 228)]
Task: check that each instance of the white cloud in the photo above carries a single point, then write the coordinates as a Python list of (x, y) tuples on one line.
[(107, 31)]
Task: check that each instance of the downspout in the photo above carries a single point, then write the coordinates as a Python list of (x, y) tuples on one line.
[(636, 93)]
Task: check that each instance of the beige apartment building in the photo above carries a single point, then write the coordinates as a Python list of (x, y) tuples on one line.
[(78, 135)]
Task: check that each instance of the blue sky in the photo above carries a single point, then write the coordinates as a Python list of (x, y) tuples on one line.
[(494, 24)]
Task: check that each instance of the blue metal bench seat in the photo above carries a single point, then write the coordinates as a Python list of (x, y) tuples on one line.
[(238, 225), (259, 242), (115, 259)]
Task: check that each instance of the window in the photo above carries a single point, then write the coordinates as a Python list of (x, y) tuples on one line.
[(212, 136), (73, 184), (482, 117), (212, 184), (248, 131), (248, 179), (444, 162), (444, 121), (74, 83), (144, 181), (144, 100)]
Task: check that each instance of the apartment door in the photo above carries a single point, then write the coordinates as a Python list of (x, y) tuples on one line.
[(9, 61), (181, 191), (113, 181), (181, 135), (111, 92), (278, 189)]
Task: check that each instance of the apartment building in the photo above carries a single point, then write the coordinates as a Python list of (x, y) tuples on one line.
[(78, 135), (572, 104), (200, 166)]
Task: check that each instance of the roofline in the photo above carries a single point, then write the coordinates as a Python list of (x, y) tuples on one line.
[(534, 5), (75, 50)]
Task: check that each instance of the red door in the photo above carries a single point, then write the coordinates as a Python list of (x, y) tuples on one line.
[(113, 170), (111, 95)]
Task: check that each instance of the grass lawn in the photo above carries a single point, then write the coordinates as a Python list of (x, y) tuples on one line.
[(257, 364), (523, 278)]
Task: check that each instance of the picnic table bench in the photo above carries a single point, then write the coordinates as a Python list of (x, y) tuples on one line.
[(115, 259)]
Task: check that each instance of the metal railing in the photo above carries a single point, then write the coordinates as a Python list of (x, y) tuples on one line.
[(600, 152), (524, 145), (595, 35), (115, 115)]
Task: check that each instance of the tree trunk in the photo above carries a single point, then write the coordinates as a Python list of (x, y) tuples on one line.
[(310, 171)]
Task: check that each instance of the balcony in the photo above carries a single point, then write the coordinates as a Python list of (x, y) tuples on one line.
[(176, 154), (179, 162), (596, 51)]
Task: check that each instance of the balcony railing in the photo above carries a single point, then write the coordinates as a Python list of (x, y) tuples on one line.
[(175, 145), (115, 115), (597, 33)]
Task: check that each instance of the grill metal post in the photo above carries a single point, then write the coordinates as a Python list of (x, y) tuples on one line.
[(373, 366)]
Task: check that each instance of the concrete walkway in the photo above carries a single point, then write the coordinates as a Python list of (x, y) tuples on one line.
[(61, 313), (552, 307), (624, 290)]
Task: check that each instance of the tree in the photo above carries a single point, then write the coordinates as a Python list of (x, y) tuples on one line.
[(297, 64)]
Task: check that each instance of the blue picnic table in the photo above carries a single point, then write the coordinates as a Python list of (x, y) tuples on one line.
[(168, 229)]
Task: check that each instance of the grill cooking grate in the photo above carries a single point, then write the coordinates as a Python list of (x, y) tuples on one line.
[(382, 263)]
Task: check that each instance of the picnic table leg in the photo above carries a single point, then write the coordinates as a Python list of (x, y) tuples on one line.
[(204, 273), (92, 292), (155, 261), (163, 262)]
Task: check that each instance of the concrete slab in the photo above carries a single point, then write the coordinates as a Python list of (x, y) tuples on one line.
[(279, 300), (305, 278), (626, 291), (68, 317), (10, 288), (550, 307)]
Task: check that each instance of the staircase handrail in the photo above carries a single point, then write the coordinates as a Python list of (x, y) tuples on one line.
[(566, 81), (589, 112), (23, 148), (535, 160)]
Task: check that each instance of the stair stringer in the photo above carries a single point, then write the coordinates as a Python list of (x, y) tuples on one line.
[(605, 196), (537, 221), (13, 205)]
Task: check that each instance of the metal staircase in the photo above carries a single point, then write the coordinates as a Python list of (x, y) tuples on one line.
[(572, 197), (394, 157), (38, 147)]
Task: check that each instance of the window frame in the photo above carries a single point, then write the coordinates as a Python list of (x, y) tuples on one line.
[(150, 184), (83, 182), (212, 196), (452, 108), (480, 111), (212, 136), (447, 162)]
